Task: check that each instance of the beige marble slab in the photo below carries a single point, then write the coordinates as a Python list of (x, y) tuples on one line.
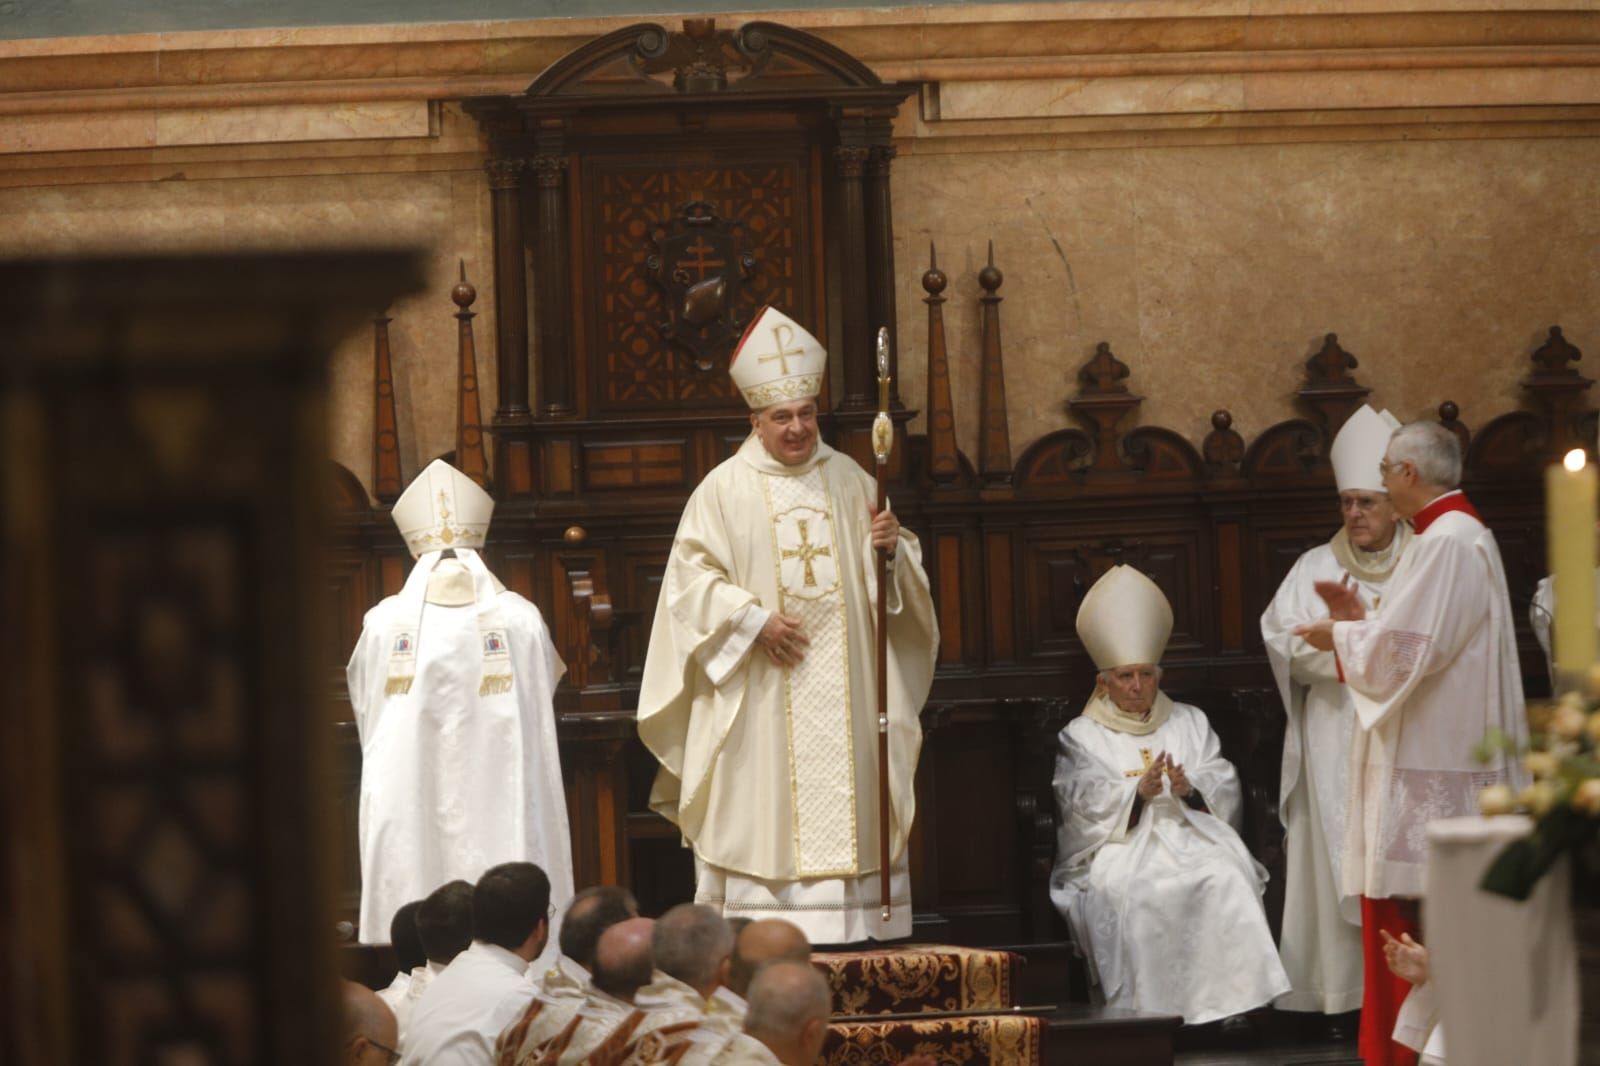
[(256, 125)]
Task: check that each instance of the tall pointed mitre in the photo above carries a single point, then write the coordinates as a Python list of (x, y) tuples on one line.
[(776, 361), (1124, 620), (443, 508), (1358, 448)]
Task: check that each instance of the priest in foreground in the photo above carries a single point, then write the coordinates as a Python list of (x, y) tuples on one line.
[(1321, 939), (1430, 672), (1160, 892), (758, 697)]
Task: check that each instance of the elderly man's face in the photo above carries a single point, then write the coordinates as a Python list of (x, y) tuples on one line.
[(1369, 518), (787, 430), (1133, 688)]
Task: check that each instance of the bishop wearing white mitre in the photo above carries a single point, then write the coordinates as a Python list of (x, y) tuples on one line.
[(1321, 937), (759, 689), (451, 684), (1159, 890)]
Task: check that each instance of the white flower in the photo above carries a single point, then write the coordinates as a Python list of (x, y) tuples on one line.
[(1569, 720), (1541, 764), (1497, 799)]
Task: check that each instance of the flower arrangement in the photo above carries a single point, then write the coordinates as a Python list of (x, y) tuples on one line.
[(1563, 759)]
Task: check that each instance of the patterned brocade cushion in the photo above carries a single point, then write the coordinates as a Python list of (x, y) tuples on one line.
[(917, 979), (1001, 1040)]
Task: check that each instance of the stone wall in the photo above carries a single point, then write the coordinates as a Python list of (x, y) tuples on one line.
[(1209, 186)]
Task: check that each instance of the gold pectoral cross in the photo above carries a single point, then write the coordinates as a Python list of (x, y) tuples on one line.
[(781, 335), (806, 552), (1144, 753)]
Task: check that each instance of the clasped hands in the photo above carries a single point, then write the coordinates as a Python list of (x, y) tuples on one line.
[(1150, 783), (784, 638), (1344, 605)]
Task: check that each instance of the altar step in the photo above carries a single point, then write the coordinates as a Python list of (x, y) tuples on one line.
[(973, 1006)]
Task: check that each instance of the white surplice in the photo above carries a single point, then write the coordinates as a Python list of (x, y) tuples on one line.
[(1169, 912), (771, 772), (1430, 673), (1321, 937), (421, 978), (455, 780), (464, 1009)]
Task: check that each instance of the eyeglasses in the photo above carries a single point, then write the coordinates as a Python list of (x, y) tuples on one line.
[(390, 1055), (1385, 467)]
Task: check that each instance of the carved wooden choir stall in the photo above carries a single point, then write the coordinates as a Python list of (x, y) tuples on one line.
[(650, 192)]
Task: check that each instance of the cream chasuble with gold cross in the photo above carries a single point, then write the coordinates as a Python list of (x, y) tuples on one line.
[(771, 772)]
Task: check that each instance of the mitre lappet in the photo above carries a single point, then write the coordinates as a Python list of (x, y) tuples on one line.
[(444, 517), (777, 361)]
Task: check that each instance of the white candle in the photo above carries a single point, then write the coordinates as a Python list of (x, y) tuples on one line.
[(1570, 534)]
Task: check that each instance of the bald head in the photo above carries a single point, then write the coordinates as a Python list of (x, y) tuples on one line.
[(622, 958), (592, 912), (761, 942), (692, 943), (369, 1026), (789, 1005)]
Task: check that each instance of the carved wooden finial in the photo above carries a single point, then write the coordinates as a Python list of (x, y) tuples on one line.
[(933, 279), (989, 277), (463, 293), (1223, 448), (944, 465), (1103, 400), (1331, 365), (1450, 418), (1554, 354), (471, 457), (1104, 373), (1330, 389), (386, 484), (994, 432)]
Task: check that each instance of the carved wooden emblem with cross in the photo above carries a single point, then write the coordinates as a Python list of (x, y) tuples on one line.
[(698, 263)]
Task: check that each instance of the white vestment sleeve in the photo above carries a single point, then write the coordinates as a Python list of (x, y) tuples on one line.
[(1419, 630), (1418, 1016), (1094, 799), (719, 657), (1216, 779)]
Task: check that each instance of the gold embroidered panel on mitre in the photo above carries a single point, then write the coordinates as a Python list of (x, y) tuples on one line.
[(817, 691)]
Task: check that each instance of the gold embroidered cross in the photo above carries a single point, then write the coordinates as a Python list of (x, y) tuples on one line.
[(449, 535), (781, 335), (806, 553), (1144, 753)]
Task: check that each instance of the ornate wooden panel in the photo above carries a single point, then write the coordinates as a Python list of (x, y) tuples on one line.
[(740, 213)]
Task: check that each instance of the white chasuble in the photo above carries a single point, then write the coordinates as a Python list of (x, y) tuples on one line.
[(1168, 912), (771, 772), (1321, 937), (1430, 673), (459, 767)]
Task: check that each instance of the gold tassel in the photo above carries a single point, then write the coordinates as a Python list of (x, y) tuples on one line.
[(397, 686), (495, 685)]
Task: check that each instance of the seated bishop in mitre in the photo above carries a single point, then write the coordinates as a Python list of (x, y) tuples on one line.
[(451, 686), (1160, 892)]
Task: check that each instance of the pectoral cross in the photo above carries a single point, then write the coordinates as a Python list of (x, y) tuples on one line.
[(1144, 753), (781, 336), (806, 552)]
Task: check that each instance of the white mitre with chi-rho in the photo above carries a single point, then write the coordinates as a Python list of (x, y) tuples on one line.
[(1124, 619), (443, 508), (1359, 447), (777, 361)]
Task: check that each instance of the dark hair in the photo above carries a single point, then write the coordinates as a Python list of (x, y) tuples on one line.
[(444, 922), (408, 952), (509, 902), (592, 912)]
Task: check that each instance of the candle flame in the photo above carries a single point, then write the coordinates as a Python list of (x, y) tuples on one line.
[(1574, 460)]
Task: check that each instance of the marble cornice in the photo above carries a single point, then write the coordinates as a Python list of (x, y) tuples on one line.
[(1010, 76)]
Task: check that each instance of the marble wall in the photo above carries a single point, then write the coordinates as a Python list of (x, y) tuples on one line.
[(1211, 187), (1214, 272)]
